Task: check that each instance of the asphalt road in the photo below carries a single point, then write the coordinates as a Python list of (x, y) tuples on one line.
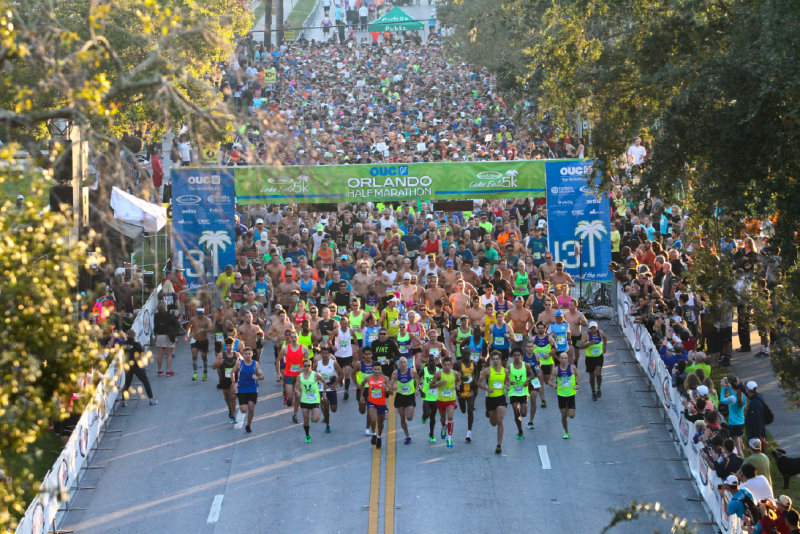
[(171, 462)]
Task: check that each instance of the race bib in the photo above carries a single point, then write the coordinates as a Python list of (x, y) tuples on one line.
[(341, 309), (237, 305), (261, 291), (595, 351), (561, 339), (372, 337), (434, 353), (517, 391), (468, 380), (228, 373), (392, 323), (192, 340), (219, 337), (537, 255), (497, 385), (564, 382), (518, 337), (405, 390), (475, 356), (311, 397), (535, 383), (295, 368), (433, 391), (343, 344), (447, 393), (404, 349), (376, 394), (325, 339)]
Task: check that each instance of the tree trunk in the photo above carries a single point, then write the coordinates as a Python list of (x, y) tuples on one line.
[(268, 24), (279, 34)]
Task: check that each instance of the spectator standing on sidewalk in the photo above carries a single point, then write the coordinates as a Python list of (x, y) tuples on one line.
[(742, 311), (158, 172), (754, 423), (166, 328)]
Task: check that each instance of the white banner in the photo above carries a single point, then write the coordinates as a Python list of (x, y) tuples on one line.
[(656, 371), (65, 473)]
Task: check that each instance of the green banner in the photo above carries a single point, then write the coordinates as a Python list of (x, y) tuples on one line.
[(382, 182)]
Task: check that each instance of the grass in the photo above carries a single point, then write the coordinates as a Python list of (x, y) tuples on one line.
[(717, 373), (261, 10), (302, 9)]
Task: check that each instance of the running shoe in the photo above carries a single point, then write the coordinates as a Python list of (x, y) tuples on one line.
[(194, 376), (599, 393), (170, 373), (205, 376), (328, 429), (498, 450), (444, 432), (520, 436), (374, 439), (407, 441), (284, 400), (424, 420), (233, 420), (367, 432), (161, 373), (544, 404), (153, 402), (378, 444), (469, 436), (566, 436), (449, 443), (247, 429), (346, 395), (530, 425), (289, 402), (594, 395), (433, 440), (308, 439), (294, 419), (124, 404)]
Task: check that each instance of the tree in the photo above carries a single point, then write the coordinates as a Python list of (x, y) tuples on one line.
[(111, 69)]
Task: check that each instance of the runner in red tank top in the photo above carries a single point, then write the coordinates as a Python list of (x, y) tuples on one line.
[(293, 354), (431, 247), (378, 389)]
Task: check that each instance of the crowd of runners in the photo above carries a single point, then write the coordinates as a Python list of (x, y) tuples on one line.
[(398, 304)]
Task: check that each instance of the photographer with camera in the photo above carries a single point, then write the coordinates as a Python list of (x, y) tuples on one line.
[(733, 397), (740, 503), (757, 484), (723, 461), (774, 515)]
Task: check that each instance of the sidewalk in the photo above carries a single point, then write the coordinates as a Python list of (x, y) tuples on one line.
[(288, 5), (786, 427)]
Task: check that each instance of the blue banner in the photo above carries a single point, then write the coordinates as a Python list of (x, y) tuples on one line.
[(203, 207), (578, 221)]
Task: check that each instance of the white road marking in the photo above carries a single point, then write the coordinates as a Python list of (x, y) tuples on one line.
[(543, 456), (240, 419), (216, 507)]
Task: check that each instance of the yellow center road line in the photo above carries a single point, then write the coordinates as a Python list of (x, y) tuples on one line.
[(391, 457), (374, 491)]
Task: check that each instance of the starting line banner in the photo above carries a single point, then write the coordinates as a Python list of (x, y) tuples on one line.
[(656, 372), (385, 182)]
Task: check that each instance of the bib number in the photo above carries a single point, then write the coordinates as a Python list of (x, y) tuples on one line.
[(561, 339), (237, 305), (192, 340), (518, 337), (311, 397), (447, 393), (372, 337), (376, 394), (393, 323), (564, 382), (535, 383), (341, 310), (295, 368), (343, 344), (405, 390), (497, 385), (261, 292), (434, 353), (474, 357), (228, 373), (404, 349), (219, 337), (595, 351), (518, 392)]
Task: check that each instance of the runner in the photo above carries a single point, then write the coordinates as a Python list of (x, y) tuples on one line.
[(458, 335), (544, 347), (501, 337), (560, 332), (294, 354), (333, 375), (576, 320), (433, 349), (494, 380), (521, 322), (567, 378), (277, 333), (595, 343), (309, 385), (344, 339), (361, 370), (378, 389), (385, 350), (467, 392), (405, 381), (251, 335), (225, 362), (530, 357), (247, 372), (445, 382), (519, 374), (199, 327), (429, 395)]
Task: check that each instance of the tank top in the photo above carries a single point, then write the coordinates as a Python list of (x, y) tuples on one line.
[(371, 301), (306, 286), (496, 382), (438, 320), (565, 382), (501, 305), (370, 335), (309, 389), (219, 332), (522, 280), (431, 247), (247, 381), (530, 359), (250, 253), (406, 382), (447, 387), (261, 289), (325, 328), (343, 347), (417, 332), (364, 370), (305, 340), (404, 344), (475, 349), (391, 321), (467, 372), (560, 331), (294, 360), (543, 349), (299, 318), (377, 392), (563, 301), (428, 393), (537, 306), (228, 364), (328, 372), (516, 381), (460, 337), (595, 347), (355, 322), (499, 340), (245, 272)]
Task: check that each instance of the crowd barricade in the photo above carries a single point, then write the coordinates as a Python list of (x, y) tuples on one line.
[(206, 294), (63, 480), (656, 372)]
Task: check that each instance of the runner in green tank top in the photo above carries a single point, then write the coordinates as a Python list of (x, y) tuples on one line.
[(404, 379), (544, 347), (519, 374), (446, 381), (567, 378), (595, 342), (309, 383), (429, 395), (494, 380), (460, 334)]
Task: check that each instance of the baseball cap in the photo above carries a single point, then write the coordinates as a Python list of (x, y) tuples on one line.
[(429, 216), (702, 390), (287, 260), (755, 444), (520, 298), (785, 500), (259, 221), (593, 324), (200, 310), (732, 480), (751, 385), (498, 219), (448, 263), (264, 236), (320, 228), (20, 197), (559, 313), (344, 257), (407, 276), (538, 287)]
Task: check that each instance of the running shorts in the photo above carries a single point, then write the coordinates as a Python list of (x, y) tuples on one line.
[(202, 346), (493, 403), (343, 362), (381, 408), (594, 362), (309, 405), (566, 403), (404, 401), (245, 398), (333, 399), (521, 399), (547, 369), (442, 405)]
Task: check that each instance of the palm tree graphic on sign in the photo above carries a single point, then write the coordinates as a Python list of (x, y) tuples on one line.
[(591, 230), (215, 240), (512, 173)]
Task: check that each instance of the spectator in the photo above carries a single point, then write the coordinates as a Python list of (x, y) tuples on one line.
[(773, 516), (734, 400), (759, 459), (741, 498), (757, 484), (165, 327), (754, 424), (724, 461), (135, 361)]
